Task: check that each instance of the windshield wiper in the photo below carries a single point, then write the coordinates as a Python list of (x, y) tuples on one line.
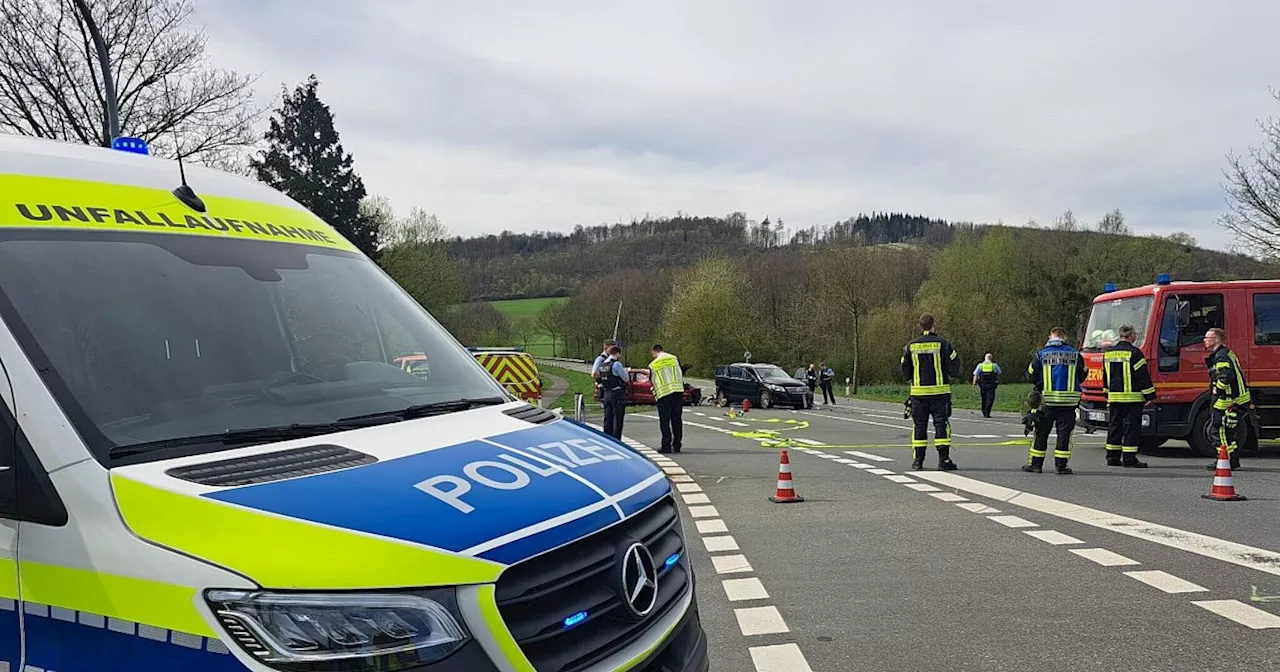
[(233, 437), (427, 410)]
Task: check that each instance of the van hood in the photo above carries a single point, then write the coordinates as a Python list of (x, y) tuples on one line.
[(447, 500)]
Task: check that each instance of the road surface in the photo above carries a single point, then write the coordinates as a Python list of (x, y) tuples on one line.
[(982, 569)]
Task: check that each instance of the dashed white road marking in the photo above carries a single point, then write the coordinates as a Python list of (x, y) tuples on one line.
[(696, 498), (688, 487), (898, 478), (730, 564), (779, 658), (1250, 617), (1166, 582), (738, 590), (862, 422), (1053, 537), (977, 507), (1012, 521), (1219, 549), (860, 465), (880, 472), (948, 496), (844, 460), (922, 487), (985, 436), (720, 544), (760, 621), (704, 512), (700, 415), (674, 470), (1104, 557), (868, 456), (811, 442), (711, 526), (682, 478)]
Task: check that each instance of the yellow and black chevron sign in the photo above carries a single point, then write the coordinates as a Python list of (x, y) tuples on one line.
[(516, 371)]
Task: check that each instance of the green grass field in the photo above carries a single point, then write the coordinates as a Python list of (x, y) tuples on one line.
[(1009, 396), (517, 310)]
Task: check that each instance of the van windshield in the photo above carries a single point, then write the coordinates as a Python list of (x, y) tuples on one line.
[(145, 338), (772, 373), (1107, 317)]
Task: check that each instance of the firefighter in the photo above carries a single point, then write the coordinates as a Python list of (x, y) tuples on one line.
[(1231, 397), (987, 377), (1056, 372), (930, 363), (612, 378), (1127, 380)]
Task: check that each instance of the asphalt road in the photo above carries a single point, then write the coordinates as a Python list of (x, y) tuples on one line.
[(929, 570)]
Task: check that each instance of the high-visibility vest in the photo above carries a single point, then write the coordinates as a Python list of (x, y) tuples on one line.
[(987, 373), (666, 375)]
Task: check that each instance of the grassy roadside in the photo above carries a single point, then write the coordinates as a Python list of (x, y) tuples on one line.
[(1009, 396)]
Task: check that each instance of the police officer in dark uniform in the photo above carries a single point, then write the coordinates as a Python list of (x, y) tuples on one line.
[(987, 377), (930, 364), (1056, 372), (1231, 396), (612, 378), (1127, 380)]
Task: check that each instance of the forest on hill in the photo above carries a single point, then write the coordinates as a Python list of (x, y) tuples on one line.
[(849, 294)]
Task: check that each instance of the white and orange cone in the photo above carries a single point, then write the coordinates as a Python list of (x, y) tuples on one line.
[(786, 493), (1224, 489)]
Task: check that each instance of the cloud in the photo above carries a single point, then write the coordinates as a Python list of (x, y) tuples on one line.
[(522, 116)]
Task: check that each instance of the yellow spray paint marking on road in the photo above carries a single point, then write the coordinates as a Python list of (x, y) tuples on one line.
[(1255, 597)]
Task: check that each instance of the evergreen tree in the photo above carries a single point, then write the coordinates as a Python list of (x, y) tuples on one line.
[(305, 160)]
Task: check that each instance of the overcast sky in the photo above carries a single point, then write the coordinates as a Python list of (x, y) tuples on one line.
[(545, 114)]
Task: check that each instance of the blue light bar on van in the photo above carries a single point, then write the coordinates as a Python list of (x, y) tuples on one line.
[(673, 559), (575, 619), (132, 145), (1163, 279), (1108, 288)]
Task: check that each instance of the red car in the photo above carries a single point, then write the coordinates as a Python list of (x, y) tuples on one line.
[(640, 391)]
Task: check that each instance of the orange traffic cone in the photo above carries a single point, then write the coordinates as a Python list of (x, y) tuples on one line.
[(786, 493), (1223, 488)]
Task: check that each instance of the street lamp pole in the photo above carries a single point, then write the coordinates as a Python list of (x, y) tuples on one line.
[(113, 115)]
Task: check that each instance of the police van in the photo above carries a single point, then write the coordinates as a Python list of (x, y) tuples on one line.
[(210, 458)]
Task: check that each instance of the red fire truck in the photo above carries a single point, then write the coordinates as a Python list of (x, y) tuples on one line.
[(1171, 319)]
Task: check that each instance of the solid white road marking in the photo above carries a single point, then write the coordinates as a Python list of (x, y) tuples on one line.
[(711, 526), (704, 512), (921, 487), (1251, 617), (1200, 544), (720, 544), (779, 658), (730, 564), (1166, 582), (696, 498), (880, 472), (760, 621), (738, 590), (948, 496), (898, 478), (688, 487), (868, 456), (1053, 537), (1012, 521), (1104, 557)]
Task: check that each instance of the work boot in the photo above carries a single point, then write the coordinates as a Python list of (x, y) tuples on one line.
[(944, 459), (1133, 463), (918, 462), (1113, 458), (1060, 466), (1034, 466)]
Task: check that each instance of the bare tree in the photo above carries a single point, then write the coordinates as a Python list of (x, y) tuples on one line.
[(1113, 223), (418, 228), (51, 83), (1253, 194), (550, 321)]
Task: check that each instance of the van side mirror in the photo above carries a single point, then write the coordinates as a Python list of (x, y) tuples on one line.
[(1182, 314)]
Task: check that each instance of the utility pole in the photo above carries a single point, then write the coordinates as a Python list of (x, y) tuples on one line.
[(108, 83), (616, 320)]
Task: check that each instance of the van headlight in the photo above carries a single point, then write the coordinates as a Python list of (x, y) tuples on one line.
[(341, 631)]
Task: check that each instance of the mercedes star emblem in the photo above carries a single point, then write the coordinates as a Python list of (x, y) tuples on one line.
[(639, 580)]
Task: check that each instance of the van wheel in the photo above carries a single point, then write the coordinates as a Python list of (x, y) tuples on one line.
[(766, 399), (1200, 439)]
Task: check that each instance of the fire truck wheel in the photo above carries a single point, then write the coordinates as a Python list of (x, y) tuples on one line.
[(1201, 442)]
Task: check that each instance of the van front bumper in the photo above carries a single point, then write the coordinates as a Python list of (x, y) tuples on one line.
[(684, 651)]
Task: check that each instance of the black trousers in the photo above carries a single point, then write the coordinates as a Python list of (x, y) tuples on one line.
[(615, 409), (1062, 418), (1124, 430), (937, 407), (828, 397), (670, 408), (988, 398)]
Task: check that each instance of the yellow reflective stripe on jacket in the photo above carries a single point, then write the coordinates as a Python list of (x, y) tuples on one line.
[(285, 553), (929, 390), (666, 375), (37, 202), (160, 605)]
